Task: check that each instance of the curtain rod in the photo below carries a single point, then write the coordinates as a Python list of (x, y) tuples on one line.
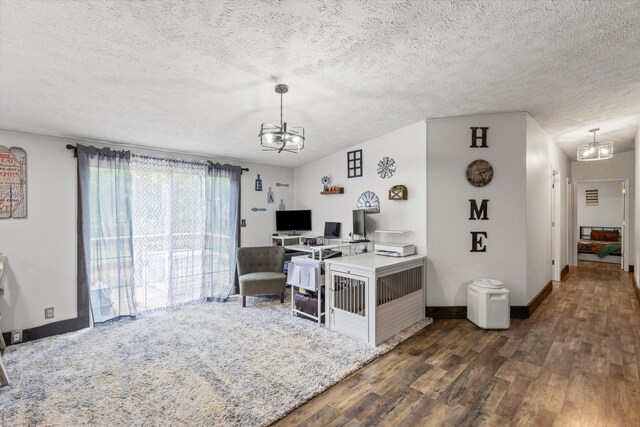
[(75, 154)]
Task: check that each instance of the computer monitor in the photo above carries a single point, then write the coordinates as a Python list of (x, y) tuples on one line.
[(332, 229), (299, 220), (359, 228)]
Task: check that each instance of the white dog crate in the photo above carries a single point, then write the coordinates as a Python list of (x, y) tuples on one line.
[(372, 298), (488, 304)]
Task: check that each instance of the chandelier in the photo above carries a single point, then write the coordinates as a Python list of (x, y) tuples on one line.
[(281, 138), (595, 150)]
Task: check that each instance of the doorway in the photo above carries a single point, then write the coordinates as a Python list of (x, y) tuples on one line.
[(600, 215), (556, 224)]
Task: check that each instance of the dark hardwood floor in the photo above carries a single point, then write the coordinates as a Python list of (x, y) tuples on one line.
[(575, 361)]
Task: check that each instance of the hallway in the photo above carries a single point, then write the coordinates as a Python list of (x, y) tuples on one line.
[(574, 362)]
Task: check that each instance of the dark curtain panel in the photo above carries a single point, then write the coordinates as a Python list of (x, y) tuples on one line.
[(105, 249), (222, 229)]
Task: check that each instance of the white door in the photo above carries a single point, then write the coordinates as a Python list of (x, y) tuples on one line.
[(555, 227), (623, 242), (348, 305)]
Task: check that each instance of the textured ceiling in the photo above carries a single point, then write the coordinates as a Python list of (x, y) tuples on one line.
[(198, 76)]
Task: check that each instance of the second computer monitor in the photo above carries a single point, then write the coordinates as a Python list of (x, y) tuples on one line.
[(332, 229), (359, 228)]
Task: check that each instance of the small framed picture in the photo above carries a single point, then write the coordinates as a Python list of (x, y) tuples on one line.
[(354, 164)]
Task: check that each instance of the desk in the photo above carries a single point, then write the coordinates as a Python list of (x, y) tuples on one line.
[(316, 262), (344, 247)]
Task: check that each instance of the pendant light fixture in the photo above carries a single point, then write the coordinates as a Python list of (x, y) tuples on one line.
[(281, 138), (595, 150)]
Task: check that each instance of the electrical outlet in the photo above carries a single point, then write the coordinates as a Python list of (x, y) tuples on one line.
[(16, 337), (48, 313)]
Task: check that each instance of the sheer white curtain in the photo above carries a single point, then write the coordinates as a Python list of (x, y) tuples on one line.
[(169, 210)]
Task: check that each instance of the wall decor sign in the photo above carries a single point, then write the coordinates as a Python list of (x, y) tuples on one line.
[(482, 137), (258, 183), (280, 184), (281, 206), (398, 192), (386, 167), (354, 164), (270, 197), (258, 209), (333, 189), (369, 202), (479, 174), (13, 182)]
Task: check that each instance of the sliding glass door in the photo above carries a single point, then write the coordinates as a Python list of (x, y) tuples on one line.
[(168, 213), (162, 232)]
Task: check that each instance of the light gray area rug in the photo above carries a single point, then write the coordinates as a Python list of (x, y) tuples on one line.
[(209, 364)]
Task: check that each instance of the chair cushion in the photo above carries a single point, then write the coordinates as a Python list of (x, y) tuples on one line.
[(263, 282)]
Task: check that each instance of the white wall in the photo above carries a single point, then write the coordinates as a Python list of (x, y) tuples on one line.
[(636, 259), (609, 211), (451, 265), (560, 163), (261, 225), (538, 210), (621, 166), (407, 147), (41, 249)]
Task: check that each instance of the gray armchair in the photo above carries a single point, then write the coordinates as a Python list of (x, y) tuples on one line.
[(260, 271)]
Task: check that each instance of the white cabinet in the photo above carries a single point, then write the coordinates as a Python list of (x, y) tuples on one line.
[(372, 297)]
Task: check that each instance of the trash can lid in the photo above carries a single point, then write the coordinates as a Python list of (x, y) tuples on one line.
[(489, 283)]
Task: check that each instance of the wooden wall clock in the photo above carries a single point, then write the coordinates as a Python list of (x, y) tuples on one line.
[(479, 173)]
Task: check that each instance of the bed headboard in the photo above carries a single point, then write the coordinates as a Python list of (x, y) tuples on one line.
[(585, 231)]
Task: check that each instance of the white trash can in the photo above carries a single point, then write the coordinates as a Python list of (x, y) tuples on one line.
[(488, 304)]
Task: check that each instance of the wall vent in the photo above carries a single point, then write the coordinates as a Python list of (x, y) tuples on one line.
[(591, 197)]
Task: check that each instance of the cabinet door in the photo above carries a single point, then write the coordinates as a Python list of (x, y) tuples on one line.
[(349, 304)]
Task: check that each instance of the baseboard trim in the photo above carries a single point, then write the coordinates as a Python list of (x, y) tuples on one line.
[(564, 272), (537, 300), (516, 312), (520, 312), (447, 312), (56, 328)]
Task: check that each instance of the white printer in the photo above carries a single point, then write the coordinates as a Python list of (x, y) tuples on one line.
[(393, 243)]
